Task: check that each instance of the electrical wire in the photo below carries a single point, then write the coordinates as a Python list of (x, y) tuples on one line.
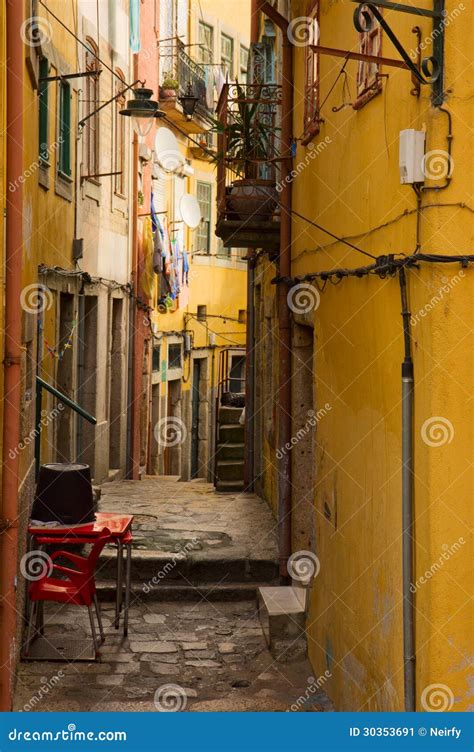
[(383, 267)]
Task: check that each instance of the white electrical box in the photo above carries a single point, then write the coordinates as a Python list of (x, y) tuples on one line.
[(412, 152)]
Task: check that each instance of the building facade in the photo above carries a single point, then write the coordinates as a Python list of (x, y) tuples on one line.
[(357, 482)]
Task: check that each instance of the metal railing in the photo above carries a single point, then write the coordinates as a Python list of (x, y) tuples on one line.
[(236, 102), (187, 72), (40, 385)]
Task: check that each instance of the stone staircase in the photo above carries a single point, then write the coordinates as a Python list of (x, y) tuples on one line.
[(230, 450), (283, 610)]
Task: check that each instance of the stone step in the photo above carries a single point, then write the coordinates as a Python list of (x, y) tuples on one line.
[(229, 415), (230, 470), (227, 486), (231, 434), (235, 591), (189, 569), (281, 614), (230, 451), (302, 590)]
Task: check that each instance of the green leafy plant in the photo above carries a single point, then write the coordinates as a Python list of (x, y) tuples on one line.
[(169, 82), (248, 139)]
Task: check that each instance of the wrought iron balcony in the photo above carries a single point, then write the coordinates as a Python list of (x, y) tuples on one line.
[(248, 166), (187, 74)]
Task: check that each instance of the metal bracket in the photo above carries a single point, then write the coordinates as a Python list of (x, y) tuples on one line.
[(432, 68)]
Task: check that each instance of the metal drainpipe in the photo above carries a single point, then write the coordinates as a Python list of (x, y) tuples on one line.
[(250, 376), (12, 351), (407, 506), (284, 270)]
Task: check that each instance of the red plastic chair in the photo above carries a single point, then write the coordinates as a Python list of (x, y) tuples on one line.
[(78, 587)]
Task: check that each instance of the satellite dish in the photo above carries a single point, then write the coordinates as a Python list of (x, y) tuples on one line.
[(190, 210), (167, 150)]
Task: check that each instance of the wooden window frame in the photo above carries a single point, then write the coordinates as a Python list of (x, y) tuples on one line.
[(43, 113), (232, 58), (208, 219), (243, 70), (368, 81), (119, 138), (64, 130), (311, 121), (91, 131), (206, 55)]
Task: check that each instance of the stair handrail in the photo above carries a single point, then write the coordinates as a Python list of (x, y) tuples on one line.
[(40, 385)]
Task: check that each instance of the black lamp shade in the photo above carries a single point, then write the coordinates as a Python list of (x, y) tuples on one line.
[(64, 494)]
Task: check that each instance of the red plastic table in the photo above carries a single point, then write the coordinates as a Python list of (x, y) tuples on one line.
[(120, 526)]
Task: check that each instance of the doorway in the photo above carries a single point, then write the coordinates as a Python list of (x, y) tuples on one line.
[(116, 383), (196, 406), (173, 431)]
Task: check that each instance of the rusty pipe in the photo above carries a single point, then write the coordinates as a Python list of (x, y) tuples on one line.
[(284, 270), (12, 349)]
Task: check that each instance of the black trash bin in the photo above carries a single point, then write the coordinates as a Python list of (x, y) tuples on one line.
[(64, 494)]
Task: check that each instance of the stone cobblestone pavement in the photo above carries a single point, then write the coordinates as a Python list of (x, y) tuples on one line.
[(214, 653), (169, 514)]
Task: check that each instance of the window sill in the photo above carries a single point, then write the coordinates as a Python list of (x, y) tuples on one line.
[(367, 95), (64, 186), (310, 132)]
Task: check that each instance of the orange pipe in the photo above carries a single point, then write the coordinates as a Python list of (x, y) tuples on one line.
[(12, 353)]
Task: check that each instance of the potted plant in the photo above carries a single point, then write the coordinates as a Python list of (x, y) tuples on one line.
[(249, 142), (169, 87)]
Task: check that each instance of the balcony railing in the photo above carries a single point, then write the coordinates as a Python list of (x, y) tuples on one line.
[(248, 168), (186, 71)]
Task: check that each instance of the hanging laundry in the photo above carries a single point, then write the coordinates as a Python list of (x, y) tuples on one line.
[(154, 216), (209, 88), (185, 268), (135, 25), (219, 80), (148, 279)]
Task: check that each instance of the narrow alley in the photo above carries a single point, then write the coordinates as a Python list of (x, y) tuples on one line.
[(195, 638)]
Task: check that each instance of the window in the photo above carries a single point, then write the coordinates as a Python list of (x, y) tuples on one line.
[(64, 150), (311, 94), (222, 250), (227, 55), (368, 81), (244, 63), (155, 358), (119, 148), (206, 42), (91, 102), (174, 356), (43, 111), (203, 232)]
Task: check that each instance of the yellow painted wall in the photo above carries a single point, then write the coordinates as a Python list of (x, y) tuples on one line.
[(352, 188)]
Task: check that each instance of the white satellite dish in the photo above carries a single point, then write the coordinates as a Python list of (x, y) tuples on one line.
[(167, 150), (190, 210)]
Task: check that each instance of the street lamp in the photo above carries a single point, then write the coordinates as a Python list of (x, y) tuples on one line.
[(189, 102), (142, 110)]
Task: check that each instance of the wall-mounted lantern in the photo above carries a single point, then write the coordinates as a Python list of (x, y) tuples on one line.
[(188, 102), (142, 110)]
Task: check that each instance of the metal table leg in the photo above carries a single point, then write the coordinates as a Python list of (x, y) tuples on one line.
[(128, 580), (118, 602)]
